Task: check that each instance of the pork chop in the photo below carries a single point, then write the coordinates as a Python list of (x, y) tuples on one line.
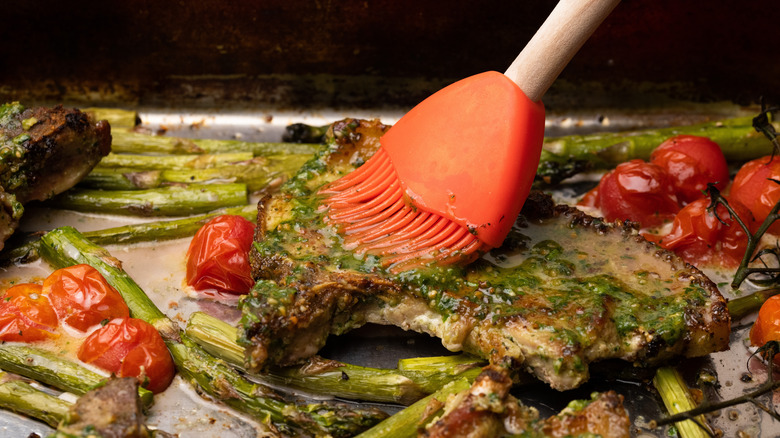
[(43, 152), (563, 291)]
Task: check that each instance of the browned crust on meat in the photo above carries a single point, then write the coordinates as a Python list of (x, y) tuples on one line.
[(65, 145), (481, 410), (487, 409), (45, 151), (9, 216), (113, 410)]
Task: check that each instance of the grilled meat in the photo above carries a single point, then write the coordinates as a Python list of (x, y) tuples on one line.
[(113, 410), (488, 410), (43, 152), (10, 213), (563, 291), (604, 416)]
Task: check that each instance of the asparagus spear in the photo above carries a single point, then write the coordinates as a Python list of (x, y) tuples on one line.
[(677, 398), (404, 424), (164, 230), (215, 336), (737, 137), (126, 141), (743, 306), (122, 178), (55, 371), (568, 155), (126, 234), (255, 173), (72, 420), (22, 398), (431, 373), (163, 201), (116, 117), (445, 364), (65, 247), (405, 385), (178, 162), (351, 382)]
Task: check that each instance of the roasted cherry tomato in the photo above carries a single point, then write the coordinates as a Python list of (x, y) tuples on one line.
[(701, 239), (26, 315), (691, 162), (218, 257), (636, 190), (767, 326), (82, 298), (130, 347), (753, 188)]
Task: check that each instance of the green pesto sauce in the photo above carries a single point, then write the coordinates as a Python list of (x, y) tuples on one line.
[(29, 123), (278, 298), (561, 282), (9, 112), (11, 148)]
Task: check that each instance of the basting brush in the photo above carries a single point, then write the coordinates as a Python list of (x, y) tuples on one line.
[(452, 174)]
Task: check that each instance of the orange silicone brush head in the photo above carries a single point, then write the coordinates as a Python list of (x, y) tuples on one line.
[(449, 180), (453, 173)]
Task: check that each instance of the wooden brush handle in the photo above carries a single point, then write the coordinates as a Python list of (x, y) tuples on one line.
[(567, 28)]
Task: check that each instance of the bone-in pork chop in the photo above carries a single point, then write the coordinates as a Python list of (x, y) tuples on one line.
[(564, 290)]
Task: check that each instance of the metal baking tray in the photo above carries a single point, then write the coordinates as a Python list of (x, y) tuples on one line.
[(246, 69), (159, 269)]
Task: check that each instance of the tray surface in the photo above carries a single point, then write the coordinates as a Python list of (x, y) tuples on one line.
[(159, 269)]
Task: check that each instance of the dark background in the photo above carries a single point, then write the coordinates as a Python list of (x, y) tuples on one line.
[(369, 53)]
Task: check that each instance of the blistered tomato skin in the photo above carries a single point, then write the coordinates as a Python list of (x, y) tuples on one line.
[(26, 315), (702, 240), (218, 256), (637, 191), (753, 188), (130, 347), (691, 162), (82, 298), (767, 325)]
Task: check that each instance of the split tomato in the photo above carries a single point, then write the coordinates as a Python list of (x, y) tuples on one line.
[(753, 187), (130, 347), (637, 191), (767, 325), (218, 256), (701, 239), (26, 315), (82, 298), (691, 162)]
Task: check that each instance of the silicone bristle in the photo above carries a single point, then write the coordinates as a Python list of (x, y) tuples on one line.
[(368, 208), (365, 171)]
